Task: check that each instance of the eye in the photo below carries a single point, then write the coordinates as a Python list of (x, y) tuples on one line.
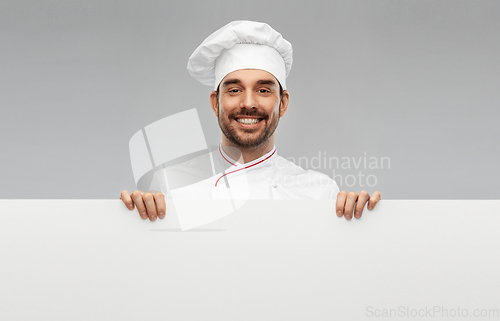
[(233, 90), (264, 91)]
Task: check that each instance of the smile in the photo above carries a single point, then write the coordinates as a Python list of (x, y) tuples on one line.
[(248, 121)]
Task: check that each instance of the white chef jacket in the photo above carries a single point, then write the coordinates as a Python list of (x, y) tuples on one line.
[(216, 176)]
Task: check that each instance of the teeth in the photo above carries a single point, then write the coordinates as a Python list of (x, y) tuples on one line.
[(248, 121)]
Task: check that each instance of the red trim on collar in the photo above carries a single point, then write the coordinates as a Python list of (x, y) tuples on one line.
[(244, 167)]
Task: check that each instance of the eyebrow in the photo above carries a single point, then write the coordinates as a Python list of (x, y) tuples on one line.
[(233, 81), (266, 82), (230, 81)]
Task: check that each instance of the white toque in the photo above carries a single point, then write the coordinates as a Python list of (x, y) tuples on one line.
[(241, 45)]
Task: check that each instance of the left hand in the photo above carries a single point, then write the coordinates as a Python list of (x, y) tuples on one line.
[(346, 202)]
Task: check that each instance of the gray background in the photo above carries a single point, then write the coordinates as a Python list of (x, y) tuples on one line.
[(415, 81)]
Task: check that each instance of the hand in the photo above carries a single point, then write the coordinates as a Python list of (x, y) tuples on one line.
[(149, 204), (346, 201)]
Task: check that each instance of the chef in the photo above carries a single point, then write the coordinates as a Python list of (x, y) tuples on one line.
[(247, 64)]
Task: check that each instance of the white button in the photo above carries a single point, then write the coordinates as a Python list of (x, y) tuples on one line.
[(274, 184)]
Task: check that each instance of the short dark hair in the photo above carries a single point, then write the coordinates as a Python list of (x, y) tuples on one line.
[(217, 92)]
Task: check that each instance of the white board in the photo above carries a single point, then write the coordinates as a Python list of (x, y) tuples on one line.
[(272, 260)]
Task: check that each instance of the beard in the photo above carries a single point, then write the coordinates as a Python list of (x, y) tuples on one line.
[(248, 138)]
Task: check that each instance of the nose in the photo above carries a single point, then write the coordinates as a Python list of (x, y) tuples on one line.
[(248, 100)]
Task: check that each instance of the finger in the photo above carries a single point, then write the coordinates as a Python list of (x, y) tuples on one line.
[(363, 197), (349, 205), (127, 200), (376, 197), (139, 203), (341, 197), (150, 206), (160, 204)]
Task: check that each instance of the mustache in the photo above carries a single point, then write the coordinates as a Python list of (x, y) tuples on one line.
[(250, 114)]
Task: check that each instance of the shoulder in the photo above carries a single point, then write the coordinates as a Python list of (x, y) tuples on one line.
[(306, 183), (289, 168), (183, 173)]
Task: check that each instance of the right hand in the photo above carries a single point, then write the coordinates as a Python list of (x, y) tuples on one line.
[(149, 204)]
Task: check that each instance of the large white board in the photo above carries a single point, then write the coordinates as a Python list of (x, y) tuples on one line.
[(272, 260)]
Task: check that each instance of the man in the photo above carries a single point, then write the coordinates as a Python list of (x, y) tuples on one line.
[(247, 64)]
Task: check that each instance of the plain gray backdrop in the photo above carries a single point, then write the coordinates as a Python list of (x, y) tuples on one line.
[(413, 81)]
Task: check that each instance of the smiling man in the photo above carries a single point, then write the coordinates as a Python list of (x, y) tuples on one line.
[(247, 63), (248, 105)]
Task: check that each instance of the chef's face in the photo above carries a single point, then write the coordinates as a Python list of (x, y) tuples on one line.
[(249, 106)]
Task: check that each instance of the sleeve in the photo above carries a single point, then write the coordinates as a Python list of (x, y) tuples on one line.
[(335, 190), (159, 182)]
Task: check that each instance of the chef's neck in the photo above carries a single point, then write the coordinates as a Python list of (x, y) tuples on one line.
[(247, 154)]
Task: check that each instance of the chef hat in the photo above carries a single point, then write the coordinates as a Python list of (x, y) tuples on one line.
[(241, 45)]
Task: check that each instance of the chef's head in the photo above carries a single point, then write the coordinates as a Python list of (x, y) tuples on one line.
[(246, 63)]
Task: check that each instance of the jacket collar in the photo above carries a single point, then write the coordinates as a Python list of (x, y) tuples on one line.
[(259, 160)]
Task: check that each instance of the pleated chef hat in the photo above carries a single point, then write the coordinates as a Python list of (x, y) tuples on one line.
[(241, 45)]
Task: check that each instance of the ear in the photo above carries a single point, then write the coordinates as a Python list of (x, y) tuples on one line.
[(284, 103), (214, 103)]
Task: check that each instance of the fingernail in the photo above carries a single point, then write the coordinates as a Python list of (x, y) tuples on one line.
[(339, 213), (357, 215), (143, 213), (131, 207)]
